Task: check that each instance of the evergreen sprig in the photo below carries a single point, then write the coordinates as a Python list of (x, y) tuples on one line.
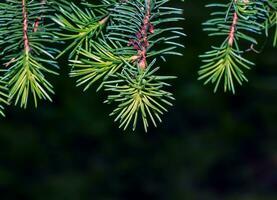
[(78, 26), (125, 37), (224, 63), (128, 21), (26, 33), (236, 22), (102, 62), (139, 95)]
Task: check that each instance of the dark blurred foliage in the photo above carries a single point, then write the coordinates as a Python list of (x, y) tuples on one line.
[(210, 146)]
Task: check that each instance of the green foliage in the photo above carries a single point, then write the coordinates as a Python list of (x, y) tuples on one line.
[(113, 43), (78, 26), (128, 18), (25, 51), (116, 44), (139, 95), (99, 63), (236, 22), (224, 63), (3, 97), (271, 21)]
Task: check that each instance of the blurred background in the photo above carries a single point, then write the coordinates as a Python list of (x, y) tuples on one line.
[(209, 146)]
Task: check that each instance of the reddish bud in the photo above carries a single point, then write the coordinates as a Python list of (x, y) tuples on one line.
[(151, 28), (142, 64)]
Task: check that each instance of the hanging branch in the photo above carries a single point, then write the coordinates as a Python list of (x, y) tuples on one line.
[(141, 42), (127, 35), (239, 20), (137, 90), (25, 28), (25, 50)]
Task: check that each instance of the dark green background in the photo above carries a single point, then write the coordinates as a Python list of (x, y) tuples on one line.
[(209, 147)]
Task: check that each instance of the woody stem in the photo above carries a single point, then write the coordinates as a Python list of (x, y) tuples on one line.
[(25, 27), (144, 32)]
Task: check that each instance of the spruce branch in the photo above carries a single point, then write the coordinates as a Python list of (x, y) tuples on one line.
[(115, 52), (139, 95), (236, 21), (26, 35), (144, 29), (80, 26), (224, 63), (101, 62)]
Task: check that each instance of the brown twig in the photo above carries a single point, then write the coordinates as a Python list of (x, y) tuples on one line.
[(141, 42), (234, 25), (233, 28), (25, 27)]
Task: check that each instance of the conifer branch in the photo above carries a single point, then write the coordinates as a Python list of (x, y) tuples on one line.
[(233, 28), (239, 20), (116, 45), (141, 96), (78, 26), (25, 28), (26, 52), (126, 35), (141, 42)]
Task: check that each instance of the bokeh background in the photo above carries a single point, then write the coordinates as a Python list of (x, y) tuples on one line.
[(209, 147)]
